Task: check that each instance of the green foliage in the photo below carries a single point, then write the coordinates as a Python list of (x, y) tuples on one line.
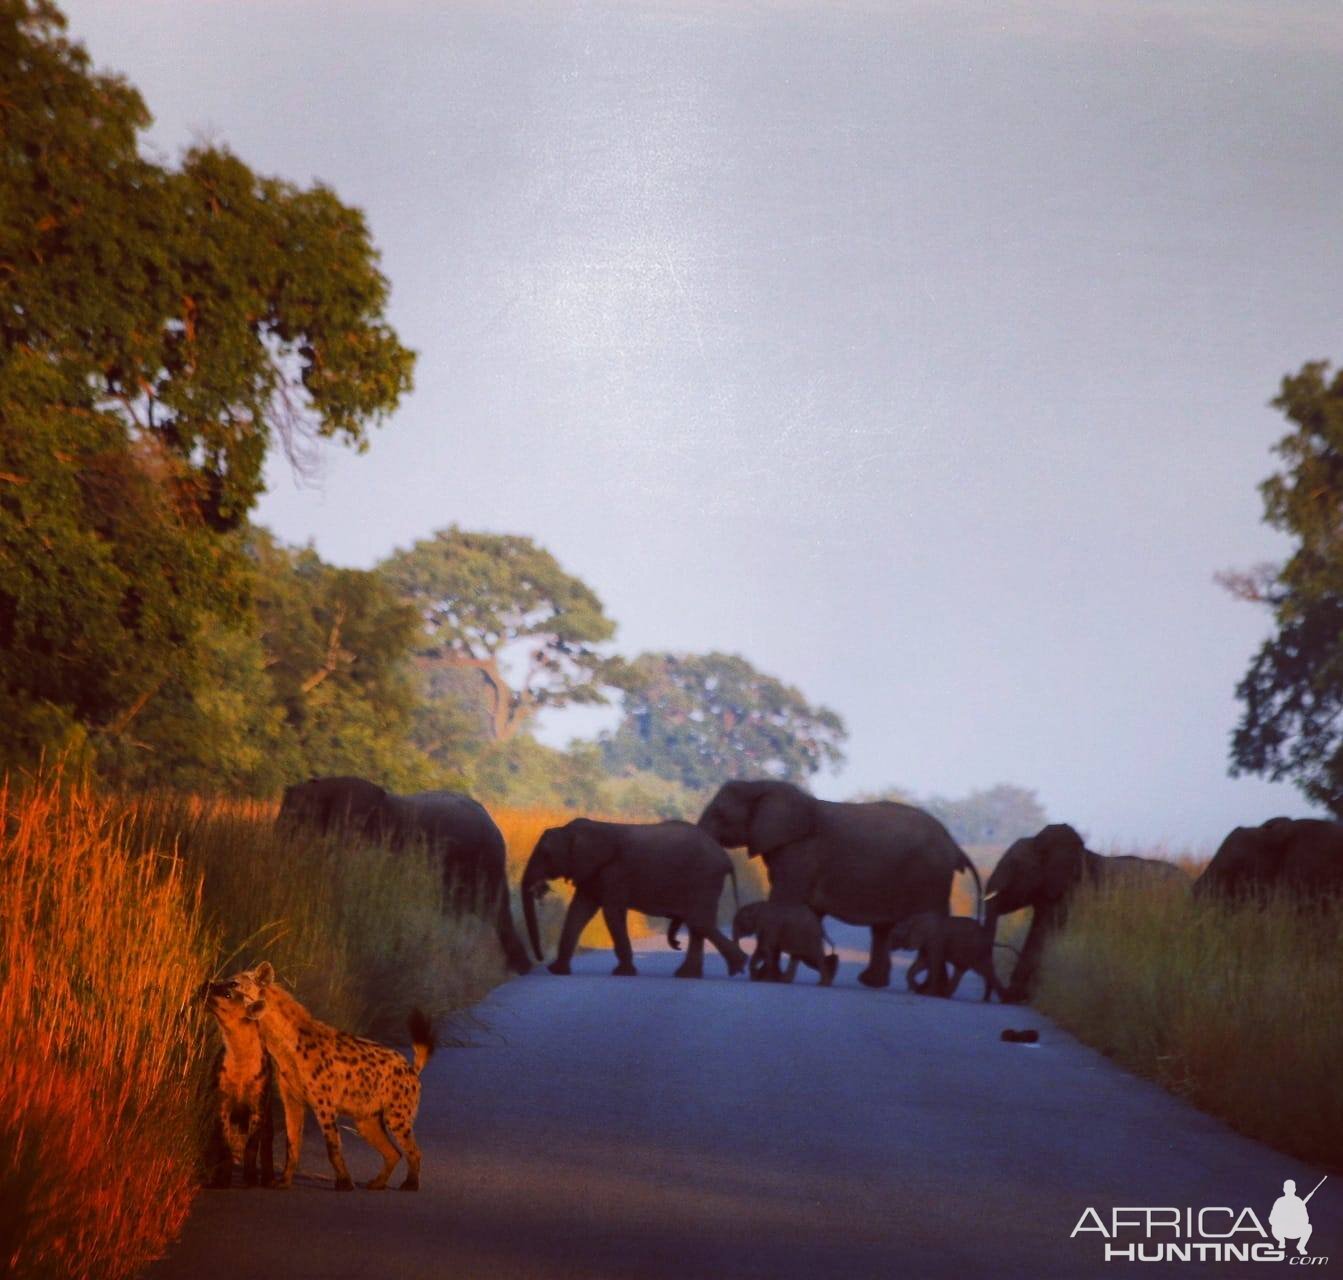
[(160, 328), (993, 815), (700, 719), (483, 598), (525, 774), (1292, 726)]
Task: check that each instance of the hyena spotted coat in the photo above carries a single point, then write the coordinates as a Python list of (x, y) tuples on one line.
[(337, 1074)]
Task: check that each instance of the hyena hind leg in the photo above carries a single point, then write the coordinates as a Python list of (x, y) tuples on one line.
[(373, 1131)]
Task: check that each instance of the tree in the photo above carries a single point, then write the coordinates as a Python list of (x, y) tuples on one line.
[(487, 600), (160, 328), (993, 815), (700, 719), (1292, 725), (338, 647)]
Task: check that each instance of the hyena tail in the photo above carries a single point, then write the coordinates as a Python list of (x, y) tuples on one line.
[(422, 1037)]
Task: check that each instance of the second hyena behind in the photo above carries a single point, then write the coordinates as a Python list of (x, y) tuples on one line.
[(242, 1080), (338, 1074)]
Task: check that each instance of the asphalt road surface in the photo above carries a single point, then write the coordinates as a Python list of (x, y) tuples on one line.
[(630, 1128)]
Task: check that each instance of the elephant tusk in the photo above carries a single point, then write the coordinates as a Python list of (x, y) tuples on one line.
[(993, 894)]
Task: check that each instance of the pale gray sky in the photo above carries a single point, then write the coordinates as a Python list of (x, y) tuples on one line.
[(918, 351)]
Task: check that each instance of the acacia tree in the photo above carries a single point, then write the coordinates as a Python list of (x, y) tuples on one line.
[(699, 719), (501, 606), (160, 328), (1292, 726)]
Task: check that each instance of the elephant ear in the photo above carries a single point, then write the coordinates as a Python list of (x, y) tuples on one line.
[(782, 815), (1062, 856), (591, 846)]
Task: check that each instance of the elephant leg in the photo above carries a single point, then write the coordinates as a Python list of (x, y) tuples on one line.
[(878, 971), (957, 973), (757, 969), (791, 972), (620, 938), (937, 984), (581, 910), (729, 950), (693, 964), (990, 978), (1022, 986), (514, 951), (829, 967), (915, 973)]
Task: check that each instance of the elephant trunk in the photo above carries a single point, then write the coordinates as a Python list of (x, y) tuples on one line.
[(533, 879)]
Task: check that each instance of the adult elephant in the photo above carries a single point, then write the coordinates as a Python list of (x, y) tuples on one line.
[(451, 825), (1303, 856), (660, 868), (1041, 872), (869, 864)]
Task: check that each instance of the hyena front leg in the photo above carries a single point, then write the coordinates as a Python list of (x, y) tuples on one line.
[(331, 1132), (292, 1101)]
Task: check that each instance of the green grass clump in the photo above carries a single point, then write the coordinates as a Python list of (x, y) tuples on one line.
[(1235, 1006)]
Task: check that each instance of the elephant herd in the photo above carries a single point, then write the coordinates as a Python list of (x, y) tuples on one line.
[(883, 865)]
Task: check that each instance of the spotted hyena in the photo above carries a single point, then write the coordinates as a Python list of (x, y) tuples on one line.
[(242, 1079), (337, 1074)]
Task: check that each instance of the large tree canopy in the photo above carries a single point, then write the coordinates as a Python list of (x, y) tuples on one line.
[(1292, 726), (492, 602), (700, 719), (160, 328)]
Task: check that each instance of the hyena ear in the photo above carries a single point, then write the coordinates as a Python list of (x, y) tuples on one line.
[(264, 974), (254, 1010)]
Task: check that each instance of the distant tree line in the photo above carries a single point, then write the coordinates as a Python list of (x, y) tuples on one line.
[(994, 815), (163, 327)]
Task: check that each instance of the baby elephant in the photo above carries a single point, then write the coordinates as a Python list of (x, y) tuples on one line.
[(962, 942), (779, 929)]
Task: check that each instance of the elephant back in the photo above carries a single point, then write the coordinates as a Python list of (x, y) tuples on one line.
[(451, 820)]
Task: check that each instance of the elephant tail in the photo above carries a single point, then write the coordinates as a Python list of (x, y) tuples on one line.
[(422, 1037), (967, 865), (673, 928), (736, 897)]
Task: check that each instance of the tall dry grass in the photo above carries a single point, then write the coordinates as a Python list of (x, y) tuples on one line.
[(112, 913), (100, 953), (358, 931), (1237, 1007)]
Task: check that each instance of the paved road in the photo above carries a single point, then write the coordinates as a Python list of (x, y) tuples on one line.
[(620, 1128)]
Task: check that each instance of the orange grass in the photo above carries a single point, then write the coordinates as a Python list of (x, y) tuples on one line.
[(100, 954)]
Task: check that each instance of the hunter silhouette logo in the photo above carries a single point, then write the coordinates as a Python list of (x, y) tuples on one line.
[(1289, 1219), (1215, 1233)]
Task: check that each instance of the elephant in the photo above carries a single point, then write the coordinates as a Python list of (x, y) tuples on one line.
[(659, 868), (780, 929), (1040, 872), (1301, 855), (455, 827), (966, 945), (868, 864)]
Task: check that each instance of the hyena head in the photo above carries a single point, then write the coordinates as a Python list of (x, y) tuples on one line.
[(242, 998)]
